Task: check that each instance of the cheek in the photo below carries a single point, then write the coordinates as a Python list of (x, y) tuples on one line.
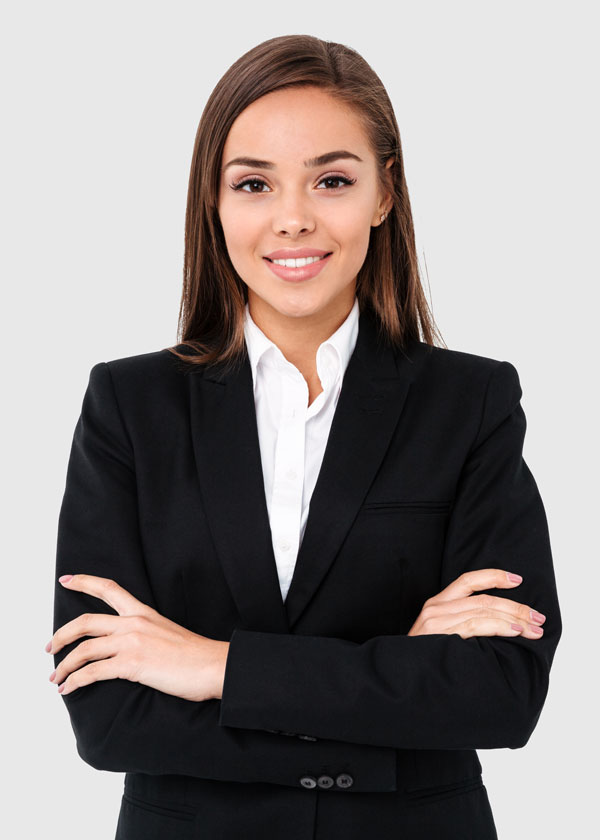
[(349, 221), (241, 231), (352, 231)]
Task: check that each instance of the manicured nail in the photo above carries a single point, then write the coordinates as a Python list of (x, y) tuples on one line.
[(516, 626), (536, 616), (65, 578), (52, 675), (61, 686), (49, 646), (538, 630), (514, 578)]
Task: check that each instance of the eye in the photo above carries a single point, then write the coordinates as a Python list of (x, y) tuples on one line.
[(341, 178), (246, 181)]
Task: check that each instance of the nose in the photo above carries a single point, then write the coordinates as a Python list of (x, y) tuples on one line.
[(293, 216)]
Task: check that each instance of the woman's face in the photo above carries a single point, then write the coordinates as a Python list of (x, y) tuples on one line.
[(280, 197)]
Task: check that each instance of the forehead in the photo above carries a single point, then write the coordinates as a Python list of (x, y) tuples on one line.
[(294, 125)]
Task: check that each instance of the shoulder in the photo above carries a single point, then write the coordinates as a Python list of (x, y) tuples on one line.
[(154, 365), (145, 381), (461, 370)]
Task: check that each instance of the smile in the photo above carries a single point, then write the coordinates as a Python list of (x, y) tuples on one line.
[(299, 262), (298, 269)]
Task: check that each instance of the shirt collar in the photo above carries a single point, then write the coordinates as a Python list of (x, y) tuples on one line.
[(343, 341)]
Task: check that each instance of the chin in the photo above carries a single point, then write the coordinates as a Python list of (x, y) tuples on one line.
[(301, 308)]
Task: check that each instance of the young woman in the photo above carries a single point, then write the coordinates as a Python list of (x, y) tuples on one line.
[(303, 571)]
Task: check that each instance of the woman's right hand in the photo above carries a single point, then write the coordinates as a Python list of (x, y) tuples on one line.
[(455, 610)]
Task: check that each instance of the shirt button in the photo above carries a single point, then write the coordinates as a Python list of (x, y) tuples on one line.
[(291, 474), (284, 545)]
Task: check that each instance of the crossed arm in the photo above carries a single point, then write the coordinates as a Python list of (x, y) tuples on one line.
[(437, 690)]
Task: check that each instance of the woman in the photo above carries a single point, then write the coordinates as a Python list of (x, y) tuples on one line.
[(287, 545)]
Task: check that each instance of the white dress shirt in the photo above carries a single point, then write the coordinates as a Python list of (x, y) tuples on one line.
[(292, 434)]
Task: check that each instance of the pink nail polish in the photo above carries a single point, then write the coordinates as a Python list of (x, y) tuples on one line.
[(514, 578), (49, 646), (538, 630), (65, 578), (52, 675)]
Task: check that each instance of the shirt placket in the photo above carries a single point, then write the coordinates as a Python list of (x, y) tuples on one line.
[(288, 474)]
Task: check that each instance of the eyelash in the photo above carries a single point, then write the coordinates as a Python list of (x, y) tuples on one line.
[(347, 181)]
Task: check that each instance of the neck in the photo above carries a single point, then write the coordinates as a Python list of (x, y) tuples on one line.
[(299, 338)]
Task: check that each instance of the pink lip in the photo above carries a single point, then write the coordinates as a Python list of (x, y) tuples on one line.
[(305, 272), (295, 253)]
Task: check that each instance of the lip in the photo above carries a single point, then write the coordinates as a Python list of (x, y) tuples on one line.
[(296, 275), (295, 253)]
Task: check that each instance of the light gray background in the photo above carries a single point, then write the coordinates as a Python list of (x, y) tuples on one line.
[(496, 107)]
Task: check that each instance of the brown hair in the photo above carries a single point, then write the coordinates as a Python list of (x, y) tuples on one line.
[(388, 283)]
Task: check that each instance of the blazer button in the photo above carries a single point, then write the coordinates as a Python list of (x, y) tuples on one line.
[(308, 782), (325, 781), (344, 780), (307, 737)]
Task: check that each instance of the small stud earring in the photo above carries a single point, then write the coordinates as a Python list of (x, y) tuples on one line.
[(383, 215)]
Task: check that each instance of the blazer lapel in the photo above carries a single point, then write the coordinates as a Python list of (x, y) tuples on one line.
[(227, 452), (373, 394)]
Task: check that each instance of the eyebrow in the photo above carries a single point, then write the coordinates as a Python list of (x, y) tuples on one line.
[(321, 160)]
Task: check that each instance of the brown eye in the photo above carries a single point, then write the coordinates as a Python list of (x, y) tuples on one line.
[(251, 181), (337, 178)]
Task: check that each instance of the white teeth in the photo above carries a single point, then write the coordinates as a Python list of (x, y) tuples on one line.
[(298, 263)]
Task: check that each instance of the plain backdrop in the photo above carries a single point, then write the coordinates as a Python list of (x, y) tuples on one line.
[(497, 109)]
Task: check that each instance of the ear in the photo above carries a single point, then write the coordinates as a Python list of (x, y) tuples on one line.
[(385, 204)]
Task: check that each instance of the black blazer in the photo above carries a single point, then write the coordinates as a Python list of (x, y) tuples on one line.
[(333, 723)]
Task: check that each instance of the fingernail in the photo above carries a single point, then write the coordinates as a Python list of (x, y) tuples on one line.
[(65, 578), (516, 626), (61, 686), (538, 630), (52, 675), (514, 578), (536, 616), (49, 646)]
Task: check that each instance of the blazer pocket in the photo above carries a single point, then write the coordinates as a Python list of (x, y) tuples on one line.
[(175, 811), (427, 795), (410, 507)]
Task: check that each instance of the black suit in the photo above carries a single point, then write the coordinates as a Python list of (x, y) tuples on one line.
[(334, 723)]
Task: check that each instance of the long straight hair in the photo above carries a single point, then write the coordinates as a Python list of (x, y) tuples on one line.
[(211, 326)]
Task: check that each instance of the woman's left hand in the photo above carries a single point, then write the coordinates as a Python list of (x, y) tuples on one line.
[(138, 644)]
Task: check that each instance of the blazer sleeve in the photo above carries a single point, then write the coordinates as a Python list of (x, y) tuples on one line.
[(123, 726), (436, 691)]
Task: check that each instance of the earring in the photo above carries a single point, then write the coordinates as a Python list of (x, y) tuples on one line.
[(383, 215)]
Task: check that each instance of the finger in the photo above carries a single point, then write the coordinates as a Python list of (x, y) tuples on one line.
[(90, 624), (109, 591), (519, 612), (89, 650), (104, 669), (474, 619), (483, 614), (475, 580), (489, 627)]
